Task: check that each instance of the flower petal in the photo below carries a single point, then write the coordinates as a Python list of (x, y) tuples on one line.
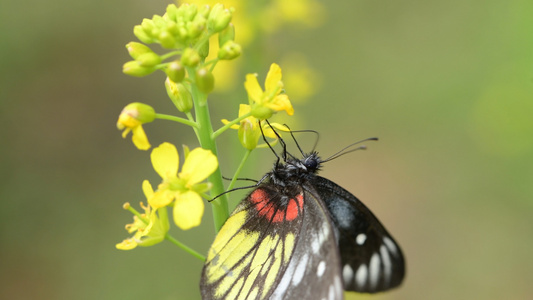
[(244, 109), (253, 88), (165, 160), (281, 102), (273, 78), (139, 138), (198, 166), (161, 198), (269, 132), (188, 210), (127, 244), (234, 126), (147, 189)]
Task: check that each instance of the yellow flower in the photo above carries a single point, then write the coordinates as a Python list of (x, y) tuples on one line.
[(131, 119), (271, 100), (182, 189), (148, 230), (249, 131)]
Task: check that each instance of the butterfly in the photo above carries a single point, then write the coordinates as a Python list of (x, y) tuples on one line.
[(300, 236)]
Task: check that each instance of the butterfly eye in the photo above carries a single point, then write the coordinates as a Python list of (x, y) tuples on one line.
[(311, 164)]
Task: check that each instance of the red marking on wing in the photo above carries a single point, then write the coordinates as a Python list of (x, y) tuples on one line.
[(267, 209), (294, 207)]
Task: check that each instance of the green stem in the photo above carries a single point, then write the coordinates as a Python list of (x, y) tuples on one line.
[(207, 141), (170, 54), (171, 239), (239, 169), (190, 117), (227, 126), (176, 119)]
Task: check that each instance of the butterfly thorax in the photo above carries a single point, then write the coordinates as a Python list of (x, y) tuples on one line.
[(294, 172)]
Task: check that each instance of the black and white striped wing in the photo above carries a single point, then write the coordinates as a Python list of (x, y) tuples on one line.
[(371, 259), (275, 246)]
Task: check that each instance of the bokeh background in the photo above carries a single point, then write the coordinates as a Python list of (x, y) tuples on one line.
[(446, 85)]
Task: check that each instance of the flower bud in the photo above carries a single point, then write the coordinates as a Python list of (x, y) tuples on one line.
[(205, 80), (248, 134), (203, 51), (148, 59), (226, 35), (190, 57), (196, 26), (166, 39), (229, 50), (172, 12), (179, 95), (158, 21), (133, 68), (219, 18), (141, 34), (175, 71), (172, 28), (147, 25), (135, 49), (189, 11), (135, 113), (204, 11)]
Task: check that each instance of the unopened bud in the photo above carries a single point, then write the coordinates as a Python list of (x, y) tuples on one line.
[(172, 12), (219, 18), (180, 95), (229, 50), (140, 112), (203, 51), (136, 49), (133, 68), (166, 39), (190, 57), (141, 34), (189, 11), (149, 59), (248, 134), (205, 80), (175, 71)]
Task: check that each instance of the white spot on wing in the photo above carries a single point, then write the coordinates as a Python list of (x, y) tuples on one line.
[(361, 276), (360, 239), (300, 270), (338, 287), (374, 270), (331, 292), (390, 245), (387, 265), (321, 268), (286, 279), (315, 245), (347, 274)]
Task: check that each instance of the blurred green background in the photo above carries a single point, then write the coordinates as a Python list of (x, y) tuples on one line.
[(446, 85)]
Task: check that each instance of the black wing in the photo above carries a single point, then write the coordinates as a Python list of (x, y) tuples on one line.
[(371, 260)]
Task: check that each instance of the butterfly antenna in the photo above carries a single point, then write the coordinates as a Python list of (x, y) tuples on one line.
[(345, 151), (241, 188), (294, 139), (265, 140), (281, 141), (300, 131)]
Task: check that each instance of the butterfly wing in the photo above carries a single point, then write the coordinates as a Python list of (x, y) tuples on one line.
[(269, 244), (371, 259)]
